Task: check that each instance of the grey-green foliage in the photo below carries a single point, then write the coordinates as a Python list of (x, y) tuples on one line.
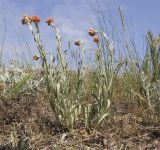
[(64, 101), (151, 70), (151, 63), (23, 144), (14, 78), (66, 96), (19, 85), (17, 79), (18, 142), (155, 96)]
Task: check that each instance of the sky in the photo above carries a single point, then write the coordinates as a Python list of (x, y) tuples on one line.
[(73, 18)]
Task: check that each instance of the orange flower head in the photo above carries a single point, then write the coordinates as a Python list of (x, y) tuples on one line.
[(35, 19), (92, 32), (49, 21), (26, 19), (77, 43), (35, 57), (96, 39)]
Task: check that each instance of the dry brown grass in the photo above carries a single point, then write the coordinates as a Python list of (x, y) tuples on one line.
[(33, 120)]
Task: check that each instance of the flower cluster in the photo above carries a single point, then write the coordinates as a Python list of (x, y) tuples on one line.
[(96, 39), (29, 19), (26, 20), (78, 42), (50, 21), (92, 32), (35, 19), (36, 57)]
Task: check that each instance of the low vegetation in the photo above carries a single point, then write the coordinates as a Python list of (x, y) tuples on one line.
[(112, 102)]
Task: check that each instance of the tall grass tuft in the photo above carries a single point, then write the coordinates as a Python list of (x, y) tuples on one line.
[(152, 62)]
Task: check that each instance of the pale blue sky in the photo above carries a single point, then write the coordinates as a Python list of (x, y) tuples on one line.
[(73, 18)]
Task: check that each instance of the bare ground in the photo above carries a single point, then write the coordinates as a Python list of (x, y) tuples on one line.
[(27, 123)]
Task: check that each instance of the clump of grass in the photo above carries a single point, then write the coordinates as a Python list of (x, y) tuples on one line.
[(151, 69), (151, 66)]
